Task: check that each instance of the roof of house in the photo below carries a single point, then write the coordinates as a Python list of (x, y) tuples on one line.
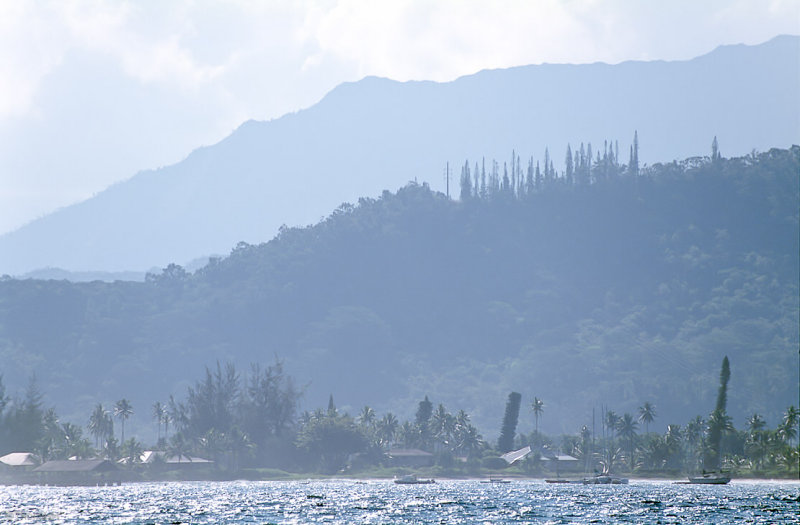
[(76, 465), (20, 459), (560, 457), (408, 452), (185, 459)]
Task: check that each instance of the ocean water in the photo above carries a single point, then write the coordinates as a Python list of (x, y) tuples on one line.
[(374, 502)]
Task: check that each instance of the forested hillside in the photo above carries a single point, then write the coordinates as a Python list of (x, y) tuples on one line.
[(604, 284)]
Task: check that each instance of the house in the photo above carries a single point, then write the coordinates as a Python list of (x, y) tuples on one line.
[(16, 468), (562, 463), (78, 472), (20, 459), (158, 457), (409, 457)]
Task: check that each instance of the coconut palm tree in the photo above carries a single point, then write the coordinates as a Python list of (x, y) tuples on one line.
[(239, 443), (132, 452), (387, 428), (443, 425), (673, 440), (627, 429), (367, 416), (409, 434), (72, 442), (647, 413), (612, 422), (718, 424), (694, 437), (179, 447), (98, 424), (755, 423), (468, 440), (788, 426), (111, 449), (123, 410), (538, 409), (159, 411)]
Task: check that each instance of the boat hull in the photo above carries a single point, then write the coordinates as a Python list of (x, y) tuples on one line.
[(717, 480), (417, 482)]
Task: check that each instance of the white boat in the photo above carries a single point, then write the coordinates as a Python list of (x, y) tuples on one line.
[(495, 479), (411, 479), (711, 478), (605, 479)]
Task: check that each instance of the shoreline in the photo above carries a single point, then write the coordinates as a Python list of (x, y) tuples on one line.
[(9, 481)]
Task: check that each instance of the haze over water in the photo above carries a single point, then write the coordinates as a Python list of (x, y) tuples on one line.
[(348, 501)]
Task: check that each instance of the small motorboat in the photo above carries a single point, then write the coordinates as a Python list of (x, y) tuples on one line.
[(711, 478), (605, 479), (495, 479), (411, 479)]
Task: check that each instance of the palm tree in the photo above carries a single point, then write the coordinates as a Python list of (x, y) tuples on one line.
[(673, 441), (442, 425), (176, 413), (612, 421), (212, 444), (159, 411), (166, 418), (718, 424), (627, 429), (179, 447), (239, 443), (72, 435), (694, 436), (111, 449), (647, 413), (755, 423), (132, 452), (123, 410), (469, 441), (538, 409), (586, 447), (367, 416), (788, 427), (387, 427), (410, 434), (98, 424)]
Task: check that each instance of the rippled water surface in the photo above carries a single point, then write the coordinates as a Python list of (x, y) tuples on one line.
[(348, 501)]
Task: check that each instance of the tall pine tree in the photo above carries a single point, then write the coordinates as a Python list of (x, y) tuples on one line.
[(506, 441)]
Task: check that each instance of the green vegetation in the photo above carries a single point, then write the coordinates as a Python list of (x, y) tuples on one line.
[(608, 284), (216, 422)]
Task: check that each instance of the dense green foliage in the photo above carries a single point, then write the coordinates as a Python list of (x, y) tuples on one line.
[(614, 285), (252, 423)]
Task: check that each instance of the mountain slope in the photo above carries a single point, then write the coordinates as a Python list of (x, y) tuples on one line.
[(375, 134), (628, 290)]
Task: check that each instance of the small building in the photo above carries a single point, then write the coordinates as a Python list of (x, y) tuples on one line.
[(161, 459), (20, 459), (409, 457), (78, 472), (559, 463)]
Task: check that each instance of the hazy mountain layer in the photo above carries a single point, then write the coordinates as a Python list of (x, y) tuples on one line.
[(375, 134), (627, 290)]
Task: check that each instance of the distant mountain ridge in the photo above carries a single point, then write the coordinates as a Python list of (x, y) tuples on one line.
[(377, 134)]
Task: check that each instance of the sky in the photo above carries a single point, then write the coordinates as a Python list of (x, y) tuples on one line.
[(92, 92)]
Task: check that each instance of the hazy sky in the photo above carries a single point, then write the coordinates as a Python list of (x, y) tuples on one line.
[(92, 92)]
